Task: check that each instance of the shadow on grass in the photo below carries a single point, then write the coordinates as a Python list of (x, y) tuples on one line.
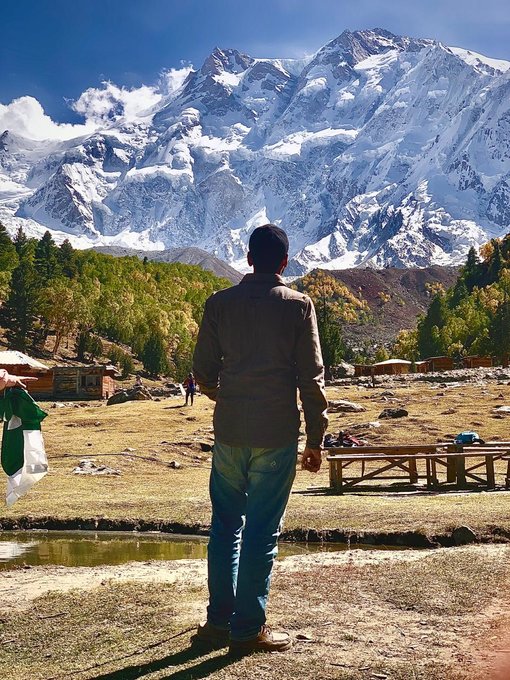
[(403, 490), (191, 653)]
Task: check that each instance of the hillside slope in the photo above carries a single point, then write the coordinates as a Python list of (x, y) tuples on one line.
[(395, 296), (189, 255)]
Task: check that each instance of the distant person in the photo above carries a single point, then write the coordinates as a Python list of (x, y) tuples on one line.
[(190, 386), (258, 343), (138, 381)]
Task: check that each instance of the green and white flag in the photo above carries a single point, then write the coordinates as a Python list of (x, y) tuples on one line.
[(23, 455)]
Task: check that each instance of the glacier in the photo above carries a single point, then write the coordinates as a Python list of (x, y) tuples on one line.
[(378, 150)]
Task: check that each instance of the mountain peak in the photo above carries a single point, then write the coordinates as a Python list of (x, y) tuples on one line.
[(379, 149), (230, 60), (355, 46)]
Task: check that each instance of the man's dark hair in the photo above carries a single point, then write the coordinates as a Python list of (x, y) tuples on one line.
[(268, 246)]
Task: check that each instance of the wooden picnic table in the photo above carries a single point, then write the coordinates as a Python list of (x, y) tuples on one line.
[(404, 459), (496, 450)]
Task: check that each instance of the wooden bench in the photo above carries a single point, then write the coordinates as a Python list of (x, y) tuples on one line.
[(492, 450), (404, 458)]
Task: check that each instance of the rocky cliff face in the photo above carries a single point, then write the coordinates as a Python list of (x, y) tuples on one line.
[(379, 150)]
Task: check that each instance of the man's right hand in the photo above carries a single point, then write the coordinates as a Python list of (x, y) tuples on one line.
[(311, 460)]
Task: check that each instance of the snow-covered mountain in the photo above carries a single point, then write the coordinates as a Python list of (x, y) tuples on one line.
[(378, 149)]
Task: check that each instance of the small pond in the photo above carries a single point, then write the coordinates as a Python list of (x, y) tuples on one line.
[(89, 548)]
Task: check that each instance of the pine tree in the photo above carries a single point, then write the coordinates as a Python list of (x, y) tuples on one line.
[(331, 340), (88, 344), (499, 331), (67, 259), (8, 260), (429, 327), (496, 263), (471, 270), (20, 240), (154, 355), (460, 292), (21, 306), (126, 366), (46, 258)]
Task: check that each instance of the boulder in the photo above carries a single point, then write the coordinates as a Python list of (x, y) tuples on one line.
[(342, 370), (503, 410), (343, 406), (393, 413), (463, 535), (137, 393)]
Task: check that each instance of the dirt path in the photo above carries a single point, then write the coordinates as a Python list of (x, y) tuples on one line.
[(18, 588)]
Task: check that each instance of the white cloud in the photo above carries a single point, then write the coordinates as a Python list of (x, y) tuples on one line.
[(25, 116), (172, 79), (99, 106), (110, 102)]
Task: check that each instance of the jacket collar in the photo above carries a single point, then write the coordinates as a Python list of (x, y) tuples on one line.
[(276, 279)]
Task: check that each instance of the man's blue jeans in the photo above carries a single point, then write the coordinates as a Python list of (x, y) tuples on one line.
[(249, 490)]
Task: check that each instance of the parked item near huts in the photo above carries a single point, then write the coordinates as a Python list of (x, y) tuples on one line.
[(17, 363), (477, 361), (84, 382), (438, 364), (469, 437)]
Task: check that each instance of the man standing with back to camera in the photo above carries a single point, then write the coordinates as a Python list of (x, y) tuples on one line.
[(258, 343)]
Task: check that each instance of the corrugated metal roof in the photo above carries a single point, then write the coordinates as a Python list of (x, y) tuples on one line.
[(393, 361), (15, 358)]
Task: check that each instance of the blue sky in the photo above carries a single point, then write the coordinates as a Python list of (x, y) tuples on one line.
[(53, 50)]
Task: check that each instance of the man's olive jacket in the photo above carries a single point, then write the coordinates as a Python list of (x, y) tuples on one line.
[(258, 343)]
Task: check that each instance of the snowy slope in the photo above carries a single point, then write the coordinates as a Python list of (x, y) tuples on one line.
[(379, 149)]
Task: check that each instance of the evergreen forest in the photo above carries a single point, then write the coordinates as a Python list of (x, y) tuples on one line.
[(472, 317), (109, 307)]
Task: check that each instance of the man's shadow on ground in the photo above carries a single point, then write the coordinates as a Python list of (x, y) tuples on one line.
[(192, 653)]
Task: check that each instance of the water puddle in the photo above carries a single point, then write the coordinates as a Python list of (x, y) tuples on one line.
[(90, 549)]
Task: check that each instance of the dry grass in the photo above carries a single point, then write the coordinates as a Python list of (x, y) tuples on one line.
[(408, 616), (148, 490)]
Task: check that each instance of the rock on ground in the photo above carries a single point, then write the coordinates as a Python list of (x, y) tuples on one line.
[(137, 393), (89, 467), (393, 413), (343, 406)]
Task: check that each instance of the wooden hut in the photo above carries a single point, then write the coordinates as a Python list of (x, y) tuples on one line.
[(439, 364), (84, 382), (21, 364), (421, 366), (392, 367), (476, 361), (362, 370)]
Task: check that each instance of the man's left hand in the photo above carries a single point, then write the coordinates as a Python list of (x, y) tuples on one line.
[(312, 459)]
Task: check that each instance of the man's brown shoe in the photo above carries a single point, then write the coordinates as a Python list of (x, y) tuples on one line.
[(210, 636), (266, 641)]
